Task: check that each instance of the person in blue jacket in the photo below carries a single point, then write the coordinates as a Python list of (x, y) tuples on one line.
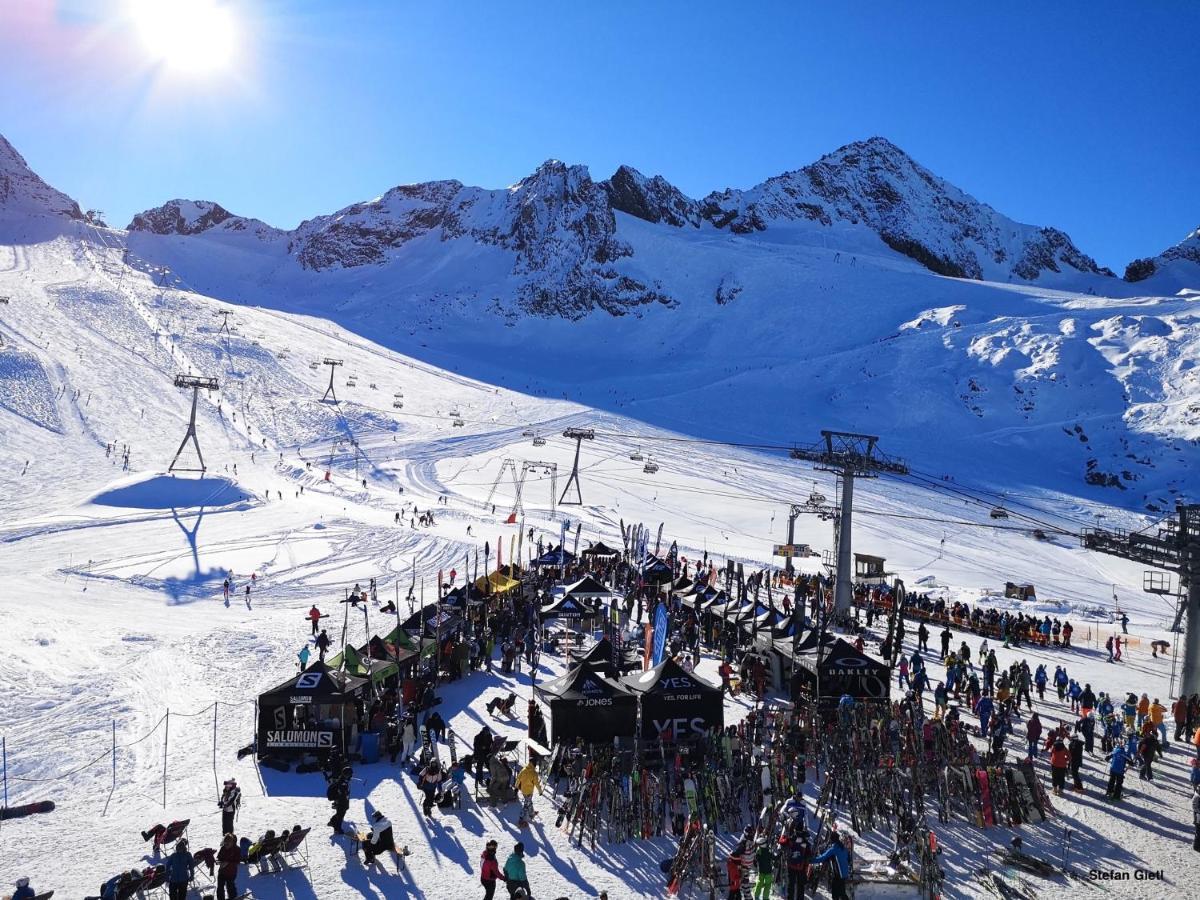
[(839, 859), (1118, 762), (180, 869), (984, 709), (23, 891)]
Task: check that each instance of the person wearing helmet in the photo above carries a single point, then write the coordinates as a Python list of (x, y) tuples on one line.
[(338, 794), (23, 891), (230, 803)]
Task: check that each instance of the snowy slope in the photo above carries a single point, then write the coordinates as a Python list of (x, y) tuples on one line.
[(24, 194), (114, 614)]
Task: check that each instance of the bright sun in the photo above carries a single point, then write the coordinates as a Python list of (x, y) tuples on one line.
[(195, 36)]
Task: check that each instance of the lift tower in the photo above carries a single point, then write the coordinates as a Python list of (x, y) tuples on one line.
[(329, 391), (224, 314), (578, 435), (851, 456), (1174, 546), (196, 383)]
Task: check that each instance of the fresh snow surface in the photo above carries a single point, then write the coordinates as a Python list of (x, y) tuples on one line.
[(112, 603)]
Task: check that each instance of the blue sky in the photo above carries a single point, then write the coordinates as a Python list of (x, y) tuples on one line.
[(1080, 115)]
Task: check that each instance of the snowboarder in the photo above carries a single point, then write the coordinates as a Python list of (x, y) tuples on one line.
[(314, 616)]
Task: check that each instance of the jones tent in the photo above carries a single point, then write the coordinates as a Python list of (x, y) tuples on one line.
[(676, 704), (312, 712), (584, 704)]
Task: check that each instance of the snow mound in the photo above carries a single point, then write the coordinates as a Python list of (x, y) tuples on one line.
[(168, 492), (25, 389)]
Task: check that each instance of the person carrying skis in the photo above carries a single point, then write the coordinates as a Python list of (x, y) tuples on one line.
[(229, 804), (1060, 682), (489, 871), (314, 616), (839, 859), (1118, 763), (430, 780), (514, 871)]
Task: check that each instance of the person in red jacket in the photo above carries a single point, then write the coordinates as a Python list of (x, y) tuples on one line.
[(229, 857), (1060, 761), (1179, 710), (489, 871), (733, 867)]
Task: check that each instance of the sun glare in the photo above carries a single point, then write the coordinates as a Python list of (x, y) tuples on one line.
[(195, 36)]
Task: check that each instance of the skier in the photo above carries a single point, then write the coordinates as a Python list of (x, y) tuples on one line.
[(799, 853), (984, 709), (947, 636), (489, 871), (226, 588), (514, 871), (1157, 717), (1033, 734), (1124, 629), (1118, 762), (381, 839), (229, 804), (923, 637)]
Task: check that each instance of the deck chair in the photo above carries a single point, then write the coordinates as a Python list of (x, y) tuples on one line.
[(262, 852), (204, 875), (153, 878), (294, 851)]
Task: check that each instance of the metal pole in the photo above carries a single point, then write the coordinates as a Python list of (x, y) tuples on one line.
[(114, 754), (216, 703), (1189, 677), (4, 755), (844, 589), (166, 740)]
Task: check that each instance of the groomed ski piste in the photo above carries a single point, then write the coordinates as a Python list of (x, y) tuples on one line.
[(114, 615)]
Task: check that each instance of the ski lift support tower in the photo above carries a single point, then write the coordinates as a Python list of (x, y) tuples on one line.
[(851, 456), (329, 391), (195, 382), (578, 435), (1175, 547)]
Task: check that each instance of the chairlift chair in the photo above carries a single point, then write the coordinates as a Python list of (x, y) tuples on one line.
[(528, 432), (457, 422), (636, 455), (539, 441), (998, 512), (816, 498), (397, 404), (650, 467)]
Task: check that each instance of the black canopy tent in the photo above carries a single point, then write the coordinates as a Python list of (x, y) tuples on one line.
[(568, 607), (656, 571), (601, 657), (676, 704), (314, 711), (586, 705), (839, 669), (600, 550)]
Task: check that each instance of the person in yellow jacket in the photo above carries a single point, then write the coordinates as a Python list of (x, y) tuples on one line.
[(1157, 716), (527, 783)]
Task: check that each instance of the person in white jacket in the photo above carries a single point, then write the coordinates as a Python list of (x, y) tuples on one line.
[(381, 840)]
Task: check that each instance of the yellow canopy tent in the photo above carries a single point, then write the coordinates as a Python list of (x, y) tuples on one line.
[(497, 583)]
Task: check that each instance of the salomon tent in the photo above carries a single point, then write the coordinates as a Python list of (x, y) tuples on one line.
[(584, 704), (313, 711), (676, 704)]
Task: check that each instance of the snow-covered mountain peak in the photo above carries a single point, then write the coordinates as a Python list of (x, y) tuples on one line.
[(1179, 264), (180, 217), (22, 192)]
